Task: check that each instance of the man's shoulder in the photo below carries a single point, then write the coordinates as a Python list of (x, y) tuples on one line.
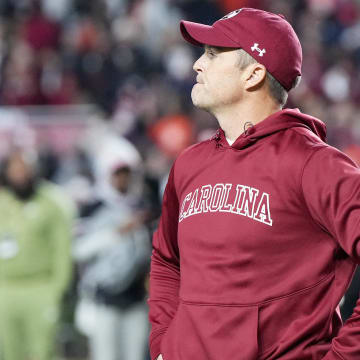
[(298, 131), (190, 159), (8, 200), (302, 141), (305, 147), (195, 150)]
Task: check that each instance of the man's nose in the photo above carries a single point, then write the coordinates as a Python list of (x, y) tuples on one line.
[(198, 65)]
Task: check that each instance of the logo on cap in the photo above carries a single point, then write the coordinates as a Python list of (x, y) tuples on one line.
[(256, 47), (232, 14)]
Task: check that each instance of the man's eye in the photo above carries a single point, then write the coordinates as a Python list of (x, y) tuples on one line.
[(211, 53)]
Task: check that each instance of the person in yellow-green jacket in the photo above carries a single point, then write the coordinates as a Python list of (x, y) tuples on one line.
[(35, 259)]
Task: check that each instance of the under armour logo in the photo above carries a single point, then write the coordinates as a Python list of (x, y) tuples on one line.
[(232, 14), (256, 47)]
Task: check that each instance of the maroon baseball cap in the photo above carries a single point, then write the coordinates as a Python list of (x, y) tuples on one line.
[(267, 37)]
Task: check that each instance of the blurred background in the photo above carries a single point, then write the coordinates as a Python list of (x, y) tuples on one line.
[(94, 108)]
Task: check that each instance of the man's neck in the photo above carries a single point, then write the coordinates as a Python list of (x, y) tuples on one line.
[(236, 119)]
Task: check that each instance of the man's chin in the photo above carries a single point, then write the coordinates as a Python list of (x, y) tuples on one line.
[(198, 103), (202, 106)]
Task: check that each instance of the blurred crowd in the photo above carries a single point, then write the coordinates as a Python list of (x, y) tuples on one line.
[(128, 58), (126, 61)]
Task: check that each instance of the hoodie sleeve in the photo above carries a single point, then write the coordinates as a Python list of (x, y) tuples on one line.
[(331, 188), (165, 269)]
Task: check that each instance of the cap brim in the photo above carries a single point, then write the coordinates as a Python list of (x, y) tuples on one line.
[(199, 35)]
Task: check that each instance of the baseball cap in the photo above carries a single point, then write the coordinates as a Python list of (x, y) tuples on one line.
[(267, 37)]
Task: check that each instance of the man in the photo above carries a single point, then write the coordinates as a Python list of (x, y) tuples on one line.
[(113, 253), (35, 259), (259, 232)]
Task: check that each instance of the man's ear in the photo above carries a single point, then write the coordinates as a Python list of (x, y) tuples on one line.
[(255, 75)]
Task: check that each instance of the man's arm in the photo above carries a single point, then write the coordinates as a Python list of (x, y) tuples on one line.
[(331, 188), (165, 269)]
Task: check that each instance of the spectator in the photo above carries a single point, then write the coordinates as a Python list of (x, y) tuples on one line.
[(35, 259), (113, 251), (39, 31)]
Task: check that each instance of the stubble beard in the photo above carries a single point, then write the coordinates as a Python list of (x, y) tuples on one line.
[(196, 100)]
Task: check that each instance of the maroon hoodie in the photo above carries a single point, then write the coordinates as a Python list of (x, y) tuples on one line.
[(256, 245)]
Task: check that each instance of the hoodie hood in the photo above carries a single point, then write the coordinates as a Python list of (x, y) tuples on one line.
[(281, 120)]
